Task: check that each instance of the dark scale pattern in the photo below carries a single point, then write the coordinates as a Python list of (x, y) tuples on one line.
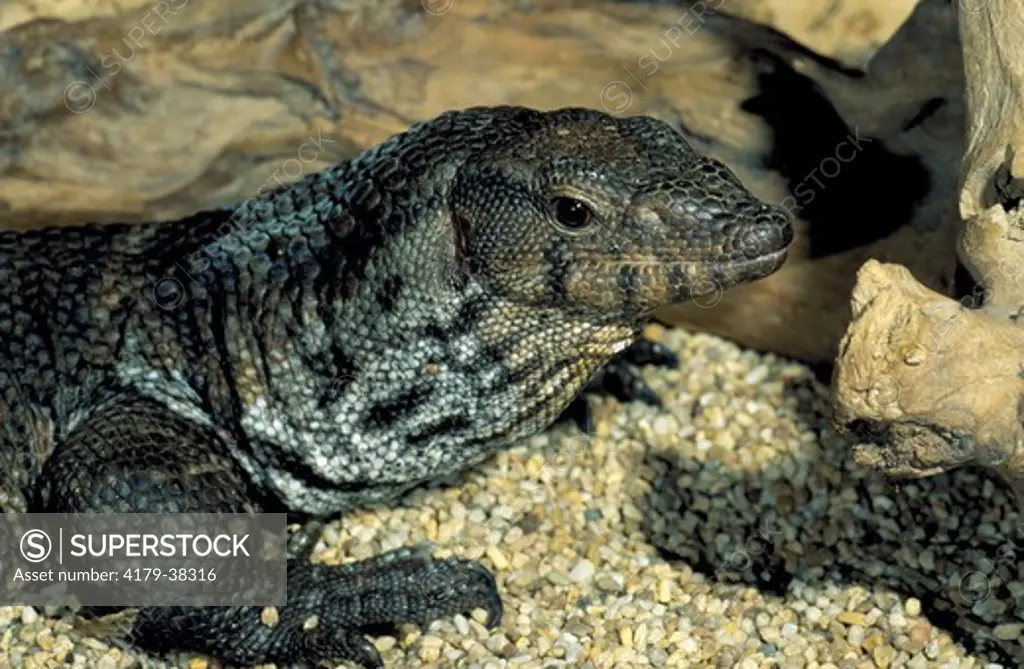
[(391, 320)]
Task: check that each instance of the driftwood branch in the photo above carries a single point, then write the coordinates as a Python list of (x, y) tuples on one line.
[(929, 383), (127, 111)]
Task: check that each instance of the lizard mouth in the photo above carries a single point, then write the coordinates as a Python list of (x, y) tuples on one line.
[(760, 267), (736, 272), (647, 285)]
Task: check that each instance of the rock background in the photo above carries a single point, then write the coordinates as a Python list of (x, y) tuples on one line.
[(136, 110)]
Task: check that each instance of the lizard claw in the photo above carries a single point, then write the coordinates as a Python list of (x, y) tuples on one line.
[(495, 609), (301, 544), (343, 643), (578, 413)]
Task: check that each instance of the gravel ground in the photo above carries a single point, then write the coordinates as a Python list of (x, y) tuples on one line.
[(728, 529)]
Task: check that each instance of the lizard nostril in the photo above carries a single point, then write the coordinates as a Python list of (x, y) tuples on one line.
[(648, 217), (756, 241)]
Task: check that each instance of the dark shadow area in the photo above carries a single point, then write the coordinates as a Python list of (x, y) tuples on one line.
[(866, 543), (849, 188), (963, 283)]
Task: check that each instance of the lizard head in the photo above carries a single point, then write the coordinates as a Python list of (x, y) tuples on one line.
[(580, 210)]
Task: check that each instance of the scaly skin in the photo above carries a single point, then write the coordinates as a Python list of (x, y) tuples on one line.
[(394, 319)]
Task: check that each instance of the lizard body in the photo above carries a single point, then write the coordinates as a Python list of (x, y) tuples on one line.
[(397, 318)]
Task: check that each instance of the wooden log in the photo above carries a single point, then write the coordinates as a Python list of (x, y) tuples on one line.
[(117, 112), (928, 382)]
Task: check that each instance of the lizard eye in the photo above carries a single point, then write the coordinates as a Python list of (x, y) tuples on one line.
[(571, 212)]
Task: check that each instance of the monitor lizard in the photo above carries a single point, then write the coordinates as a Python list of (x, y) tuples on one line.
[(393, 319)]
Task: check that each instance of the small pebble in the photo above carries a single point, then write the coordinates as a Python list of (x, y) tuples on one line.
[(583, 571), (1008, 631), (28, 615), (269, 616), (497, 557)]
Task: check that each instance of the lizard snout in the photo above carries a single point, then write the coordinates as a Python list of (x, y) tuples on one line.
[(766, 237)]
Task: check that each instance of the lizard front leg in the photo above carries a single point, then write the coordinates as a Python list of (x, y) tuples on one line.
[(621, 379), (136, 456)]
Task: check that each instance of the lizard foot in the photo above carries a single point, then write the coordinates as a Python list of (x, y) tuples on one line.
[(405, 585), (331, 611), (621, 379)]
